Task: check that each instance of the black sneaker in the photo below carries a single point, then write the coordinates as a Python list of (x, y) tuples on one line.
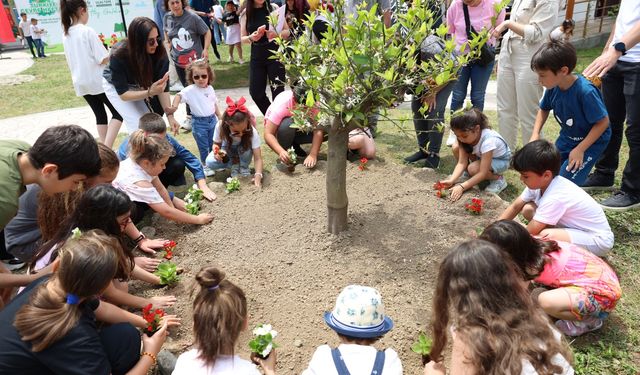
[(13, 264), (598, 181), (620, 201), (432, 161), (299, 151), (420, 155)]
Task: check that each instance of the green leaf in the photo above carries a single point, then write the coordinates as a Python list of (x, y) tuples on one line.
[(310, 100)]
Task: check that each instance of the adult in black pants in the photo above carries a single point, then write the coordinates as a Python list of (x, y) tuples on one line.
[(254, 29), (203, 8), (619, 66)]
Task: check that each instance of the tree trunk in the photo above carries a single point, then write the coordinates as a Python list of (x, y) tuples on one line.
[(337, 200)]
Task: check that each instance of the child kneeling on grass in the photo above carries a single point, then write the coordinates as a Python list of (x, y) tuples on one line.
[(556, 208), (577, 105), (138, 178), (219, 316), (585, 288), (481, 152), (237, 136), (359, 320)]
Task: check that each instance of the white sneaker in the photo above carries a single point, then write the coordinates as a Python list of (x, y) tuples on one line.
[(177, 86), (452, 138), (496, 186), (209, 172), (186, 125)]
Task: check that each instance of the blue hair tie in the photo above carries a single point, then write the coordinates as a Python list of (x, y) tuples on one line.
[(214, 287), (72, 299)]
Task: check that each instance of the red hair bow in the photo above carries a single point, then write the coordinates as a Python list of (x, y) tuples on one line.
[(233, 107)]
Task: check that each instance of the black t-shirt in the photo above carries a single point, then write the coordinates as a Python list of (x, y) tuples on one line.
[(79, 352), (122, 78), (230, 18), (259, 17)]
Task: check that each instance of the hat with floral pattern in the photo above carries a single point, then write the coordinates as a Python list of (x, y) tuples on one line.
[(359, 312)]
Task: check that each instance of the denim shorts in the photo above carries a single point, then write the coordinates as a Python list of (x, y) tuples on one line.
[(499, 165)]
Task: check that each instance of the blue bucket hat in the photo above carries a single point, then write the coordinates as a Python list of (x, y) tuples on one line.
[(359, 312)]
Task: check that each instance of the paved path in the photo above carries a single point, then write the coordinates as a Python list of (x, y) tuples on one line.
[(29, 127)]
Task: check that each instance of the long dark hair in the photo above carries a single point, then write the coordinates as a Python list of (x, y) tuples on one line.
[(97, 209), (494, 315), (300, 7), (134, 51), (68, 9)]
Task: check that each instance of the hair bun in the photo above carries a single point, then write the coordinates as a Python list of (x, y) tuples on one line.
[(209, 277)]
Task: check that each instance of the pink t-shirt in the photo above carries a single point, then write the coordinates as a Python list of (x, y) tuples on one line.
[(281, 107), (480, 17)]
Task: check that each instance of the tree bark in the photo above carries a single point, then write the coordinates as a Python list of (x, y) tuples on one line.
[(337, 200)]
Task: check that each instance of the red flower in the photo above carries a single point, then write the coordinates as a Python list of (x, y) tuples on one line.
[(152, 318), (364, 160), (361, 167), (475, 207)]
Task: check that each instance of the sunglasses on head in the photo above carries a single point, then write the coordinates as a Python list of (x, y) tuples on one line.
[(203, 76), (153, 41)]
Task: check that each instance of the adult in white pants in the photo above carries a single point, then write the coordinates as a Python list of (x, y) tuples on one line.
[(136, 79), (519, 92)]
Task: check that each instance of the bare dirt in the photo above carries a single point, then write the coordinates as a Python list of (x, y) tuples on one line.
[(274, 245)]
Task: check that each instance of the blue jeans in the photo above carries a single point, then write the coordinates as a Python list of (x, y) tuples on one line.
[(39, 47), (202, 129), (31, 45), (235, 155), (479, 77), (426, 125), (218, 31)]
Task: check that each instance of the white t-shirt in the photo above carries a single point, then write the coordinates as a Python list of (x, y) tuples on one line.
[(26, 29), (358, 359), (34, 32), (255, 138), (189, 364), (491, 140), (130, 173), (565, 204), (628, 16), (84, 53), (202, 101), (217, 11)]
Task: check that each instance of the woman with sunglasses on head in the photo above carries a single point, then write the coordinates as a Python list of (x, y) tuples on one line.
[(86, 57), (188, 38), (136, 81), (235, 141)]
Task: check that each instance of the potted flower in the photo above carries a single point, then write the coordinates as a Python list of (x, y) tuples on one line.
[(293, 159), (153, 319), (441, 189), (168, 249), (475, 207), (168, 273), (262, 343), (363, 164), (192, 199), (423, 347), (233, 184)]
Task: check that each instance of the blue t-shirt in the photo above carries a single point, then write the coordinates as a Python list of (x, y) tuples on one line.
[(576, 110)]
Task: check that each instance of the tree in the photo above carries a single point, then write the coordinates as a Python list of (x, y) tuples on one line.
[(361, 67)]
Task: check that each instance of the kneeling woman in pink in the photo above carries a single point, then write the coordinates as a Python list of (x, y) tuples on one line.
[(585, 289)]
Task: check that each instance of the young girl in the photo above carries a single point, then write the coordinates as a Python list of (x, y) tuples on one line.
[(564, 32), (231, 19), (138, 177), (584, 287), (497, 328), (108, 209), (219, 315), (201, 97), (239, 139), (480, 151), (51, 328)]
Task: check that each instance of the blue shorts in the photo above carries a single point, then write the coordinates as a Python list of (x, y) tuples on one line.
[(499, 165)]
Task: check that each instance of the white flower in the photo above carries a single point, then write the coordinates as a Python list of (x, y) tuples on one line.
[(194, 187), (229, 179), (274, 333), (267, 350)]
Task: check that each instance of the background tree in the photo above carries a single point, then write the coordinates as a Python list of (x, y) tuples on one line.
[(361, 67)]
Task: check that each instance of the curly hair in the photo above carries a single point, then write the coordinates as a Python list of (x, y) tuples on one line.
[(494, 314)]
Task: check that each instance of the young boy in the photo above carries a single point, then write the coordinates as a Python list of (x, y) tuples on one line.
[(36, 35), (577, 105), (555, 207), (59, 160), (357, 333), (24, 29), (173, 174)]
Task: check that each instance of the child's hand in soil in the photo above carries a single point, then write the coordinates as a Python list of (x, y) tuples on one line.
[(257, 181), (268, 365), (447, 183), (434, 368), (456, 193), (162, 301), (148, 245), (310, 161), (147, 264), (204, 218), (284, 157), (208, 194)]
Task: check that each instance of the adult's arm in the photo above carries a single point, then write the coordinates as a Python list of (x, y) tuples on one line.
[(540, 24), (610, 56)]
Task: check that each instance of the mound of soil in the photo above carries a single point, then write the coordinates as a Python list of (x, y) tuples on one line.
[(274, 245)]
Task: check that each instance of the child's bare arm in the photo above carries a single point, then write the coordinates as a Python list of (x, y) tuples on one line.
[(172, 213), (513, 210), (541, 118), (461, 166), (162, 191), (535, 227), (142, 275), (576, 156), (112, 314)]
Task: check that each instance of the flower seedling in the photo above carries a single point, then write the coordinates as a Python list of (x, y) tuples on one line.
[(422, 347), (441, 189), (293, 157), (192, 200), (233, 184), (475, 207), (168, 250), (167, 272), (363, 164), (262, 342), (153, 319)]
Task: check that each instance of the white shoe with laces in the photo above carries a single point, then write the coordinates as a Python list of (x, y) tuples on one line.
[(496, 186), (209, 172), (186, 125)]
